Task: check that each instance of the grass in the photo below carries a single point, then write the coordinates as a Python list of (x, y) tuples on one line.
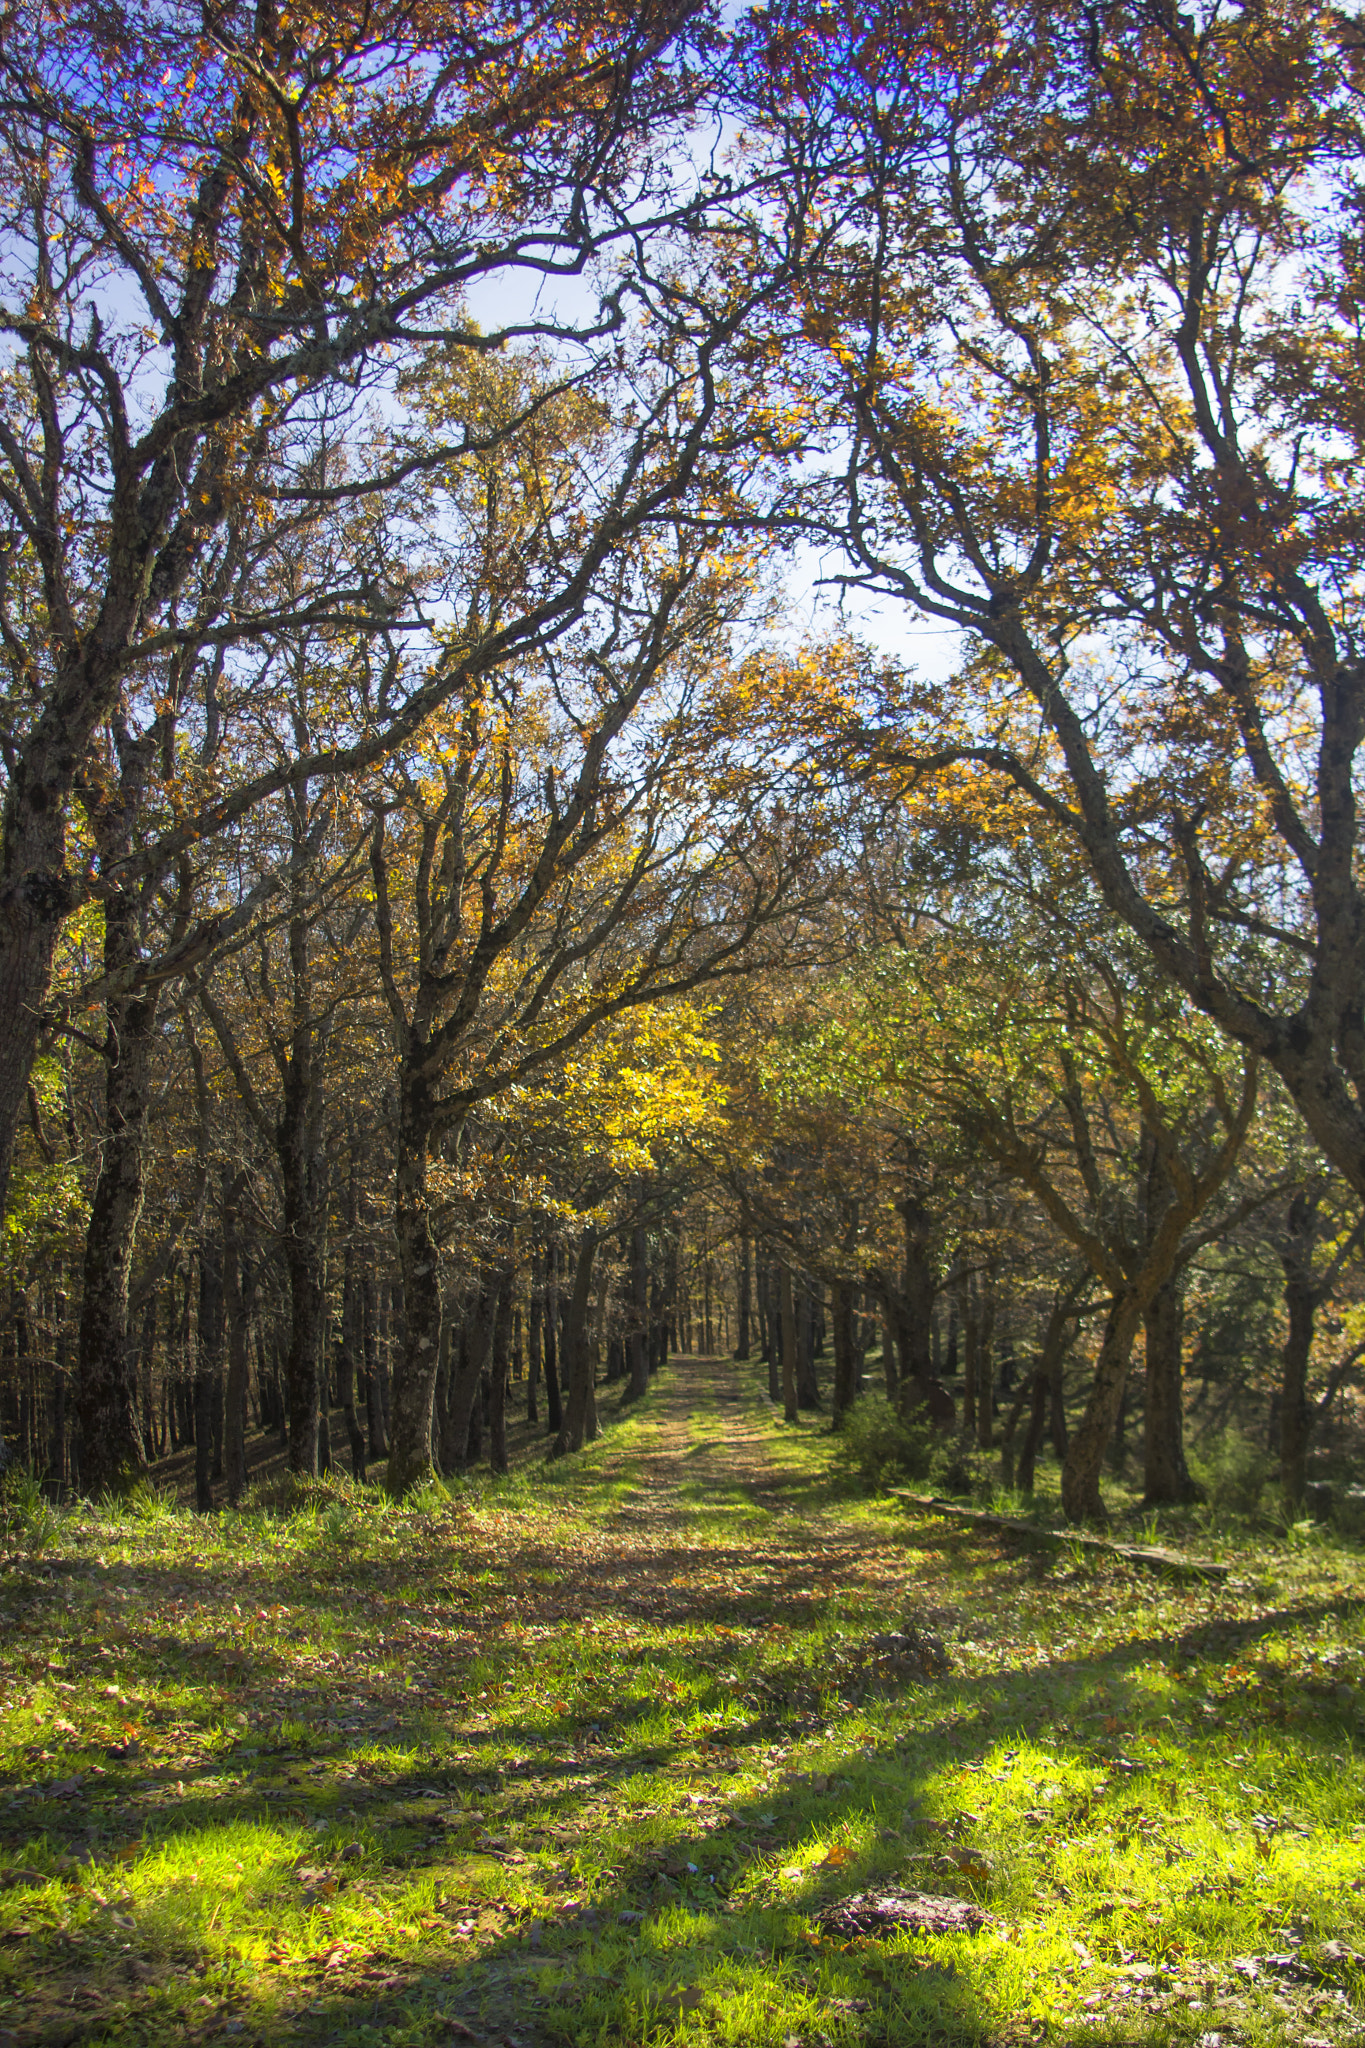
[(577, 1757)]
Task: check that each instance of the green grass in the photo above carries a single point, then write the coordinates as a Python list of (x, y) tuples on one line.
[(397, 1775)]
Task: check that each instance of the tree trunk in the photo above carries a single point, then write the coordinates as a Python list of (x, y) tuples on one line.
[(450, 1438), (917, 1303), (470, 1360), (807, 1374), (971, 1355), (346, 1378), (106, 1377), (1007, 1436), (1045, 1385), (787, 1314), (235, 1298), (772, 1332), (1084, 1460), (890, 1371), (639, 1331), (707, 1335), (502, 1341), (1166, 1477), (208, 1368), (299, 1146), (374, 1399), (153, 1445), (743, 1297), (846, 1358), (1039, 1389), (577, 1350), (37, 893), (58, 1464), (554, 1406), (414, 1377), (1056, 1411), (351, 1351), (1300, 1303), (535, 1317), (985, 1372)]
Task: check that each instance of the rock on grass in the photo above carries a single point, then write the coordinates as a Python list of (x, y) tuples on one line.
[(896, 1912)]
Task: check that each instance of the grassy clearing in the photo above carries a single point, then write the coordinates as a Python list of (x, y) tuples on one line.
[(578, 1757)]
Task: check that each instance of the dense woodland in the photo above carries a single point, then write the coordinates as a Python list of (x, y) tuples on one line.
[(487, 897)]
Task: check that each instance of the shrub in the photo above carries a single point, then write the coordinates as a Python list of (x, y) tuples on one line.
[(26, 1520), (1235, 1473), (879, 1447), (958, 1466)]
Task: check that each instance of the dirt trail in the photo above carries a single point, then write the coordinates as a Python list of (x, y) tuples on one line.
[(715, 1519)]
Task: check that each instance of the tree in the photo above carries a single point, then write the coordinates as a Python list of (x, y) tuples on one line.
[(1117, 1108), (1052, 386), (222, 234), (554, 859)]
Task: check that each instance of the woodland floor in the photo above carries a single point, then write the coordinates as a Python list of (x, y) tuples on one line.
[(579, 1757)]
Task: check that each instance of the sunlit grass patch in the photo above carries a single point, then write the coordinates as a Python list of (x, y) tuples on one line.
[(581, 1755)]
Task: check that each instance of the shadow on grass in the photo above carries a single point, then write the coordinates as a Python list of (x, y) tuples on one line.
[(718, 1933)]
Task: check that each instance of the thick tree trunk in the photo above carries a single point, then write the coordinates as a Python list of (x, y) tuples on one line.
[(106, 1375), (577, 1350), (37, 893), (1084, 1461), (787, 1316), (1166, 1476), (1300, 1303)]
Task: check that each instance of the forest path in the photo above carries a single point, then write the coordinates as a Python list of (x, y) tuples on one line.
[(719, 1514), (581, 1755)]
